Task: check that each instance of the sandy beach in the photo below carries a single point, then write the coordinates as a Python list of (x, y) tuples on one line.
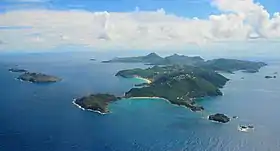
[(149, 98), (144, 79), (158, 98)]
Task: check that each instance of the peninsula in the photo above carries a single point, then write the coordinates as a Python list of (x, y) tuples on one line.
[(231, 65), (38, 78)]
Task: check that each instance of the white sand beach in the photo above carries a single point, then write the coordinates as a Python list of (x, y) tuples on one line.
[(144, 79)]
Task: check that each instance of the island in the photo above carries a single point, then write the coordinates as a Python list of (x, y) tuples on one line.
[(96, 102), (155, 59), (245, 128), (269, 77), (219, 118), (38, 78), (179, 79), (17, 70), (180, 85), (221, 64)]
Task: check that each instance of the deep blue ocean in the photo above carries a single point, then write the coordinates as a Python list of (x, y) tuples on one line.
[(41, 117)]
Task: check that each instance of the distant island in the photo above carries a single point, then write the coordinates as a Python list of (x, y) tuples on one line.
[(151, 58), (34, 77), (17, 70), (179, 79), (270, 77), (222, 64), (38, 78), (231, 65), (155, 59), (245, 128)]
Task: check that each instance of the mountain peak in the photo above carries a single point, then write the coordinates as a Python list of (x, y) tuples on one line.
[(153, 54)]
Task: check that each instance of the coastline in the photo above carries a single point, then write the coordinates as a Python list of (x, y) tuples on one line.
[(74, 102), (80, 107), (155, 97), (133, 98)]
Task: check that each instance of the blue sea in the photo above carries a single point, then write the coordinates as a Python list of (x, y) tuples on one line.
[(41, 117)]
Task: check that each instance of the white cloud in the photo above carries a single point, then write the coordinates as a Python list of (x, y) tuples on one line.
[(254, 15), (240, 20)]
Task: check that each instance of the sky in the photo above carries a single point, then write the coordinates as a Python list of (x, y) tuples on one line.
[(196, 26)]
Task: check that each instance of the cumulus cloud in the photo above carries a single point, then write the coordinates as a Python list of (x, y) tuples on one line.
[(240, 20), (252, 14)]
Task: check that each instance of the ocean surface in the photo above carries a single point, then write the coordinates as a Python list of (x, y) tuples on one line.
[(41, 117)]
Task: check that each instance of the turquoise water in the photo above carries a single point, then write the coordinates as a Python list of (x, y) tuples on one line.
[(36, 117)]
